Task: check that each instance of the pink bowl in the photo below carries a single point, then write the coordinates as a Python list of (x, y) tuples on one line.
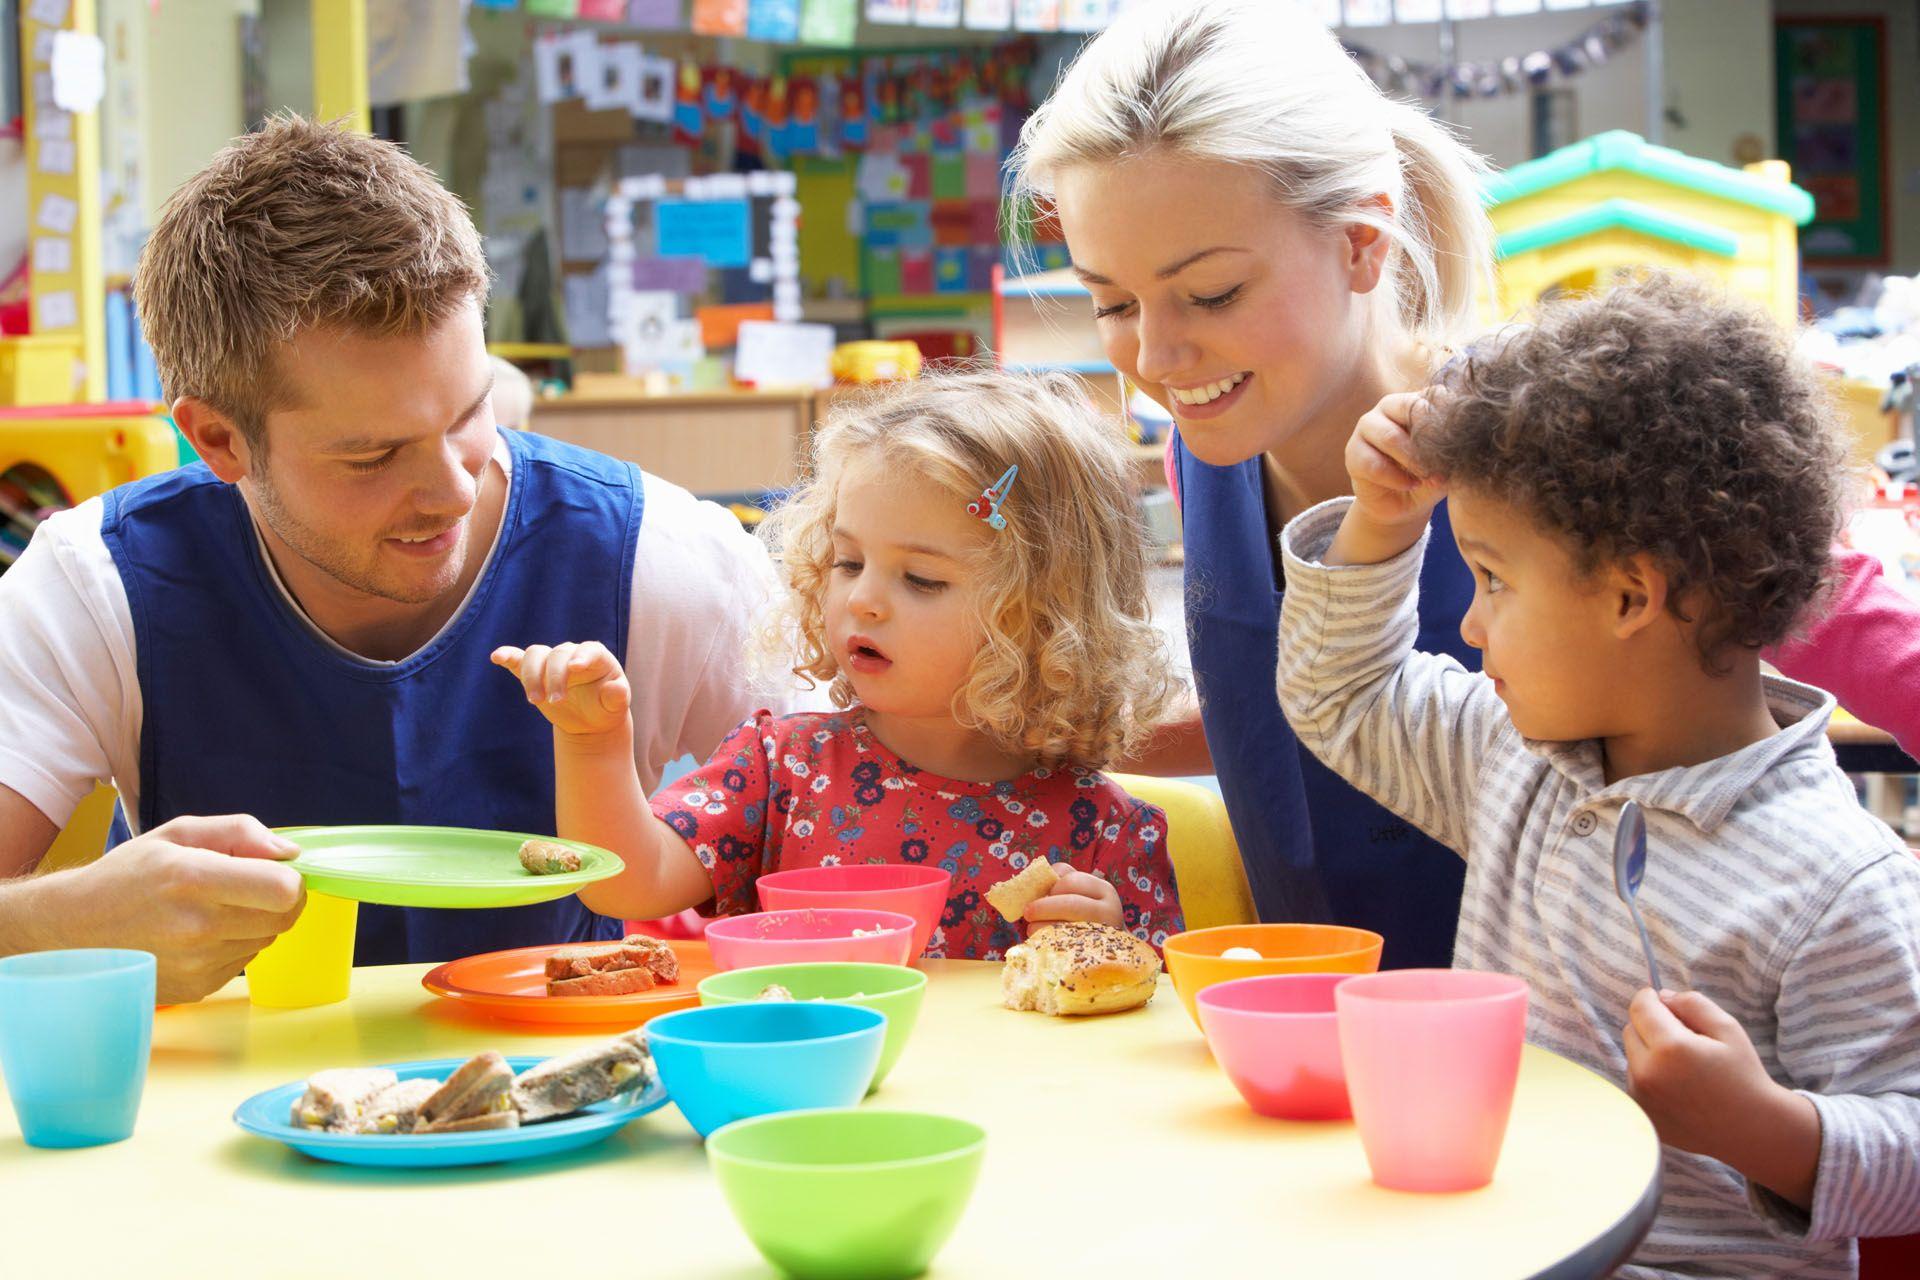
[(1278, 1039), (809, 935), (920, 892)]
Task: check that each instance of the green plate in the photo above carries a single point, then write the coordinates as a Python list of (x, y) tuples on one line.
[(436, 866)]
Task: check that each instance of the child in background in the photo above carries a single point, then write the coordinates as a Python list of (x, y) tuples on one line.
[(1645, 485), (967, 572), (512, 395)]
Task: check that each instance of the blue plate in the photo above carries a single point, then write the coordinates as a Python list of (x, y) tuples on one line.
[(266, 1114)]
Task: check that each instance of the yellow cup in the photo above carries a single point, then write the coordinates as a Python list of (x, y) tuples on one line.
[(311, 963)]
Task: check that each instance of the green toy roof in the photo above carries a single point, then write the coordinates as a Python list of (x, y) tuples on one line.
[(1620, 150), (1631, 215)]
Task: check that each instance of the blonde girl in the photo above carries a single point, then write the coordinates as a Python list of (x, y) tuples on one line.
[(966, 575)]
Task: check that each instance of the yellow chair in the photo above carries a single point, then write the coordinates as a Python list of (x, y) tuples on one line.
[(1206, 857), (85, 835)]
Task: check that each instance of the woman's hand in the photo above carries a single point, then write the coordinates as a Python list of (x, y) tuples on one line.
[(1076, 895), (579, 687), (1392, 497)]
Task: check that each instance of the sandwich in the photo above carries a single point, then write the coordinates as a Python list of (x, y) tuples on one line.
[(335, 1099), (396, 1108), (1012, 897), (561, 1086), (1079, 967), (477, 1096), (611, 968)]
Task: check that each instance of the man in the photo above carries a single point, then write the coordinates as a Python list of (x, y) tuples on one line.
[(296, 628)]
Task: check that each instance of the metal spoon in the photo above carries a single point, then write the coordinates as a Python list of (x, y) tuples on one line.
[(1629, 869)]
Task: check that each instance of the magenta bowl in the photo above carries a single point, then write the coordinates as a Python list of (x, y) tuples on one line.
[(920, 892), (1278, 1039), (809, 935)]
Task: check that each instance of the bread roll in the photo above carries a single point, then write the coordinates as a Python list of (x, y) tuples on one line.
[(1078, 967), (1012, 897)]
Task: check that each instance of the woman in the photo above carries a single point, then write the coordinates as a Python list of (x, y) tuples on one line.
[(1272, 245)]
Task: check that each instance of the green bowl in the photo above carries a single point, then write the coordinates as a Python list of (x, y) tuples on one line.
[(845, 1193), (892, 989)]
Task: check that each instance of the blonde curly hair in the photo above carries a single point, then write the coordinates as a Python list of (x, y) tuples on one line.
[(1072, 670)]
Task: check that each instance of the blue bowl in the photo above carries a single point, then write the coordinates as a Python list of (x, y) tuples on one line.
[(728, 1062)]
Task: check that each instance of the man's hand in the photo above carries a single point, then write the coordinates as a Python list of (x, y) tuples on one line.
[(1076, 895), (204, 895), (579, 687), (1392, 497), (1695, 1073)]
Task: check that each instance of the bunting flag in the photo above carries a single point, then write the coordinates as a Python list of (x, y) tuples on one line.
[(1594, 47)]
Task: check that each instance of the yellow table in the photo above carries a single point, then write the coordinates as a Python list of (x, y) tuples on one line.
[(1115, 1148)]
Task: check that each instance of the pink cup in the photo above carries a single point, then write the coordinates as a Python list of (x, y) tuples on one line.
[(1431, 1058), (920, 892), (1278, 1040), (809, 935)]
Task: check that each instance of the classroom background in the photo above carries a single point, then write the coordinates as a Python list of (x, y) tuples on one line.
[(707, 219)]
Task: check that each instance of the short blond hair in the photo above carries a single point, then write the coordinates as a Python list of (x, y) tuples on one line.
[(512, 395), (299, 226), (1072, 671)]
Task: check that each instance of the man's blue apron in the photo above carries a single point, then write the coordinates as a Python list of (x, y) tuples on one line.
[(245, 710), (1315, 848)]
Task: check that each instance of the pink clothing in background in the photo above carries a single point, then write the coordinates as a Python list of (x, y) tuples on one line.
[(1863, 648)]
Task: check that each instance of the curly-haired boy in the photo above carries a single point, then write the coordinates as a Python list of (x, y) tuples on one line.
[(1645, 485)]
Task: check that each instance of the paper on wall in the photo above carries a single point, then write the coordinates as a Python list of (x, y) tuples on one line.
[(55, 156), (79, 71), (654, 101), (53, 123), (583, 227), (58, 213), (617, 82), (586, 300), (784, 355), (51, 12), (52, 255), (55, 311)]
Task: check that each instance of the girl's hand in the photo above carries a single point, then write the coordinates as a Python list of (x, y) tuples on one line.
[(1077, 896), (1392, 497), (1694, 1071), (579, 687)]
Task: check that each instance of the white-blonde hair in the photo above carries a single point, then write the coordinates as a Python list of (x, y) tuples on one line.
[(1263, 83), (1072, 669)]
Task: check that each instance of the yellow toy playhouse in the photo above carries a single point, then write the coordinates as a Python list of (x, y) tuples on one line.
[(1614, 203)]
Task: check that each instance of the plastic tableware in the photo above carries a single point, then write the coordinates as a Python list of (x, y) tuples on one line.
[(1432, 1056), (890, 989), (311, 963), (76, 1029), (726, 1062), (1278, 1039), (436, 866), (512, 985), (1629, 869), (266, 1114), (824, 933), (1194, 962), (920, 892), (848, 1195)]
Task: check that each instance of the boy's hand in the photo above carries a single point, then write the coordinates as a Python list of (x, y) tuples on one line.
[(1076, 896), (1392, 497), (579, 687), (1694, 1071)]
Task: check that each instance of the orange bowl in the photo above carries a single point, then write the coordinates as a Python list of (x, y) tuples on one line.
[(1194, 962)]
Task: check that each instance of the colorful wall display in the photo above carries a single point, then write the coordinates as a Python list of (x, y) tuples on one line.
[(1831, 99)]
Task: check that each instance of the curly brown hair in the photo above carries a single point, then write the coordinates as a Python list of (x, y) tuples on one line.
[(1073, 669), (1661, 418)]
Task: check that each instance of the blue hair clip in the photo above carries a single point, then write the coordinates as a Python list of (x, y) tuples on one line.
[(987, 505)]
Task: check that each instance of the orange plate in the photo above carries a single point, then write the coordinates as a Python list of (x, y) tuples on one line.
[(513, 985)]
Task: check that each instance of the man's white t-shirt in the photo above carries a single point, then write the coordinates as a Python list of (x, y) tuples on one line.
[(70, 708)]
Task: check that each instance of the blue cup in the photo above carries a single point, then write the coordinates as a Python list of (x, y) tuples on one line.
[(728, 1062), (76, 1028)]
